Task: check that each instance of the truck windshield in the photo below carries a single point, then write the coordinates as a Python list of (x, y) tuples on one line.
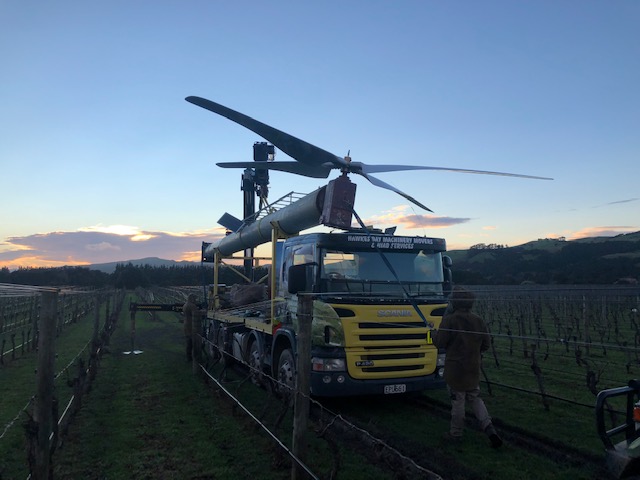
[(361, 272)]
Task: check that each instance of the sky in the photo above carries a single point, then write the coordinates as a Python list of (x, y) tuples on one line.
[(102, 159)]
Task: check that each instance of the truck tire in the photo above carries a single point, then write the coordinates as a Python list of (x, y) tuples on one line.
[(226, 359), (286, 375), (211, 348), (255, 364)]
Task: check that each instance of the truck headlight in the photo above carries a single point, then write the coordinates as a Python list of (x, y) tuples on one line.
[(327, 364), (440, 359)]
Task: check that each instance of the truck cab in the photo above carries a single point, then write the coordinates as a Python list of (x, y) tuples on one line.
[(376, 299)]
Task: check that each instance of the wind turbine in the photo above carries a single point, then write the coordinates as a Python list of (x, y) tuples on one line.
[(315, 162)]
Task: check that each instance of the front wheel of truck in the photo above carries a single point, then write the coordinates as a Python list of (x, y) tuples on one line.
[(286, 376)]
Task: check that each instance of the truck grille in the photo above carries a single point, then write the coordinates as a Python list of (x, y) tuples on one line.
[(382, 347)]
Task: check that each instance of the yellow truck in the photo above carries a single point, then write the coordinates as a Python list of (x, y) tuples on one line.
[(377, 297)]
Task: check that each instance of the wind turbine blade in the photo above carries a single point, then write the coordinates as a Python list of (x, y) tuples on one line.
[(290, 167), (397, 168), (379, 183), (294, 147)]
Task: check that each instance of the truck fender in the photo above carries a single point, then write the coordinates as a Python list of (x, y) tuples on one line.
[(250, 339), (283, 338)]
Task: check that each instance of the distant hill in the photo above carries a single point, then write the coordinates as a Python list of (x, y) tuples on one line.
[(150, 261), (595, 260)]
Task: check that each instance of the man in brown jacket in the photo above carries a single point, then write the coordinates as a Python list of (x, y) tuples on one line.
[(465, 337)]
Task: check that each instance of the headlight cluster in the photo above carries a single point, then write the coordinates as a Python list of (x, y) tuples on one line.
[(440, 364), (327, 364)]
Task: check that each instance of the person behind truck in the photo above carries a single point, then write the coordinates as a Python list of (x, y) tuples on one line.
[(190, 311), (465, 337)]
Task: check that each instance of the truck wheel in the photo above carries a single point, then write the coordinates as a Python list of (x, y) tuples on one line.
[(255, 363), (211, 348), (226, 360), (286, 376)]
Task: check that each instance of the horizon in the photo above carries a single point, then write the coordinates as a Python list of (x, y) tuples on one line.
[(102, 158), (136, 260)]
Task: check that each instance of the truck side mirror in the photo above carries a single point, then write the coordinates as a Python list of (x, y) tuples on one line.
[(300, 278)]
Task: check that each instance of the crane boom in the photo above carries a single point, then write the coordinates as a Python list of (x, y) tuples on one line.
[(292, 219)]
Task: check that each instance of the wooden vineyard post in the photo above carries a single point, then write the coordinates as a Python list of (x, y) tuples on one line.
[(96, 320), (133, 335), (302, 391), (95, 342), (196, 329), (105, 335), (33, 316), (133, 331), (585, 320), (43, 411)]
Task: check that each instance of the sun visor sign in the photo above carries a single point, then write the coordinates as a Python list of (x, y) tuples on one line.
[(393, 243)]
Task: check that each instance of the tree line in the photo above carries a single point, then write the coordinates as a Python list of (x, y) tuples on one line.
[(595, 262), (569, 263), (126, 276)]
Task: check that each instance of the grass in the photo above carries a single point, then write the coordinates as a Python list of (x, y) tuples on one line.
[(420, 436), (148, 416), (18, 378)]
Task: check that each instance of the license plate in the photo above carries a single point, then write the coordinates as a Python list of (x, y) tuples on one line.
[(399, 388)]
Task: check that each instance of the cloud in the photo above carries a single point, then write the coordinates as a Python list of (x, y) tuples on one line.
[(115, 229), (430, 221), (398, 217), (623, 201), (608, 231), (617, 202), (100, 244), (141, 237)]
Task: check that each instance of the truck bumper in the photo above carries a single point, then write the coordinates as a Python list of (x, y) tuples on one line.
[(327, 384)]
